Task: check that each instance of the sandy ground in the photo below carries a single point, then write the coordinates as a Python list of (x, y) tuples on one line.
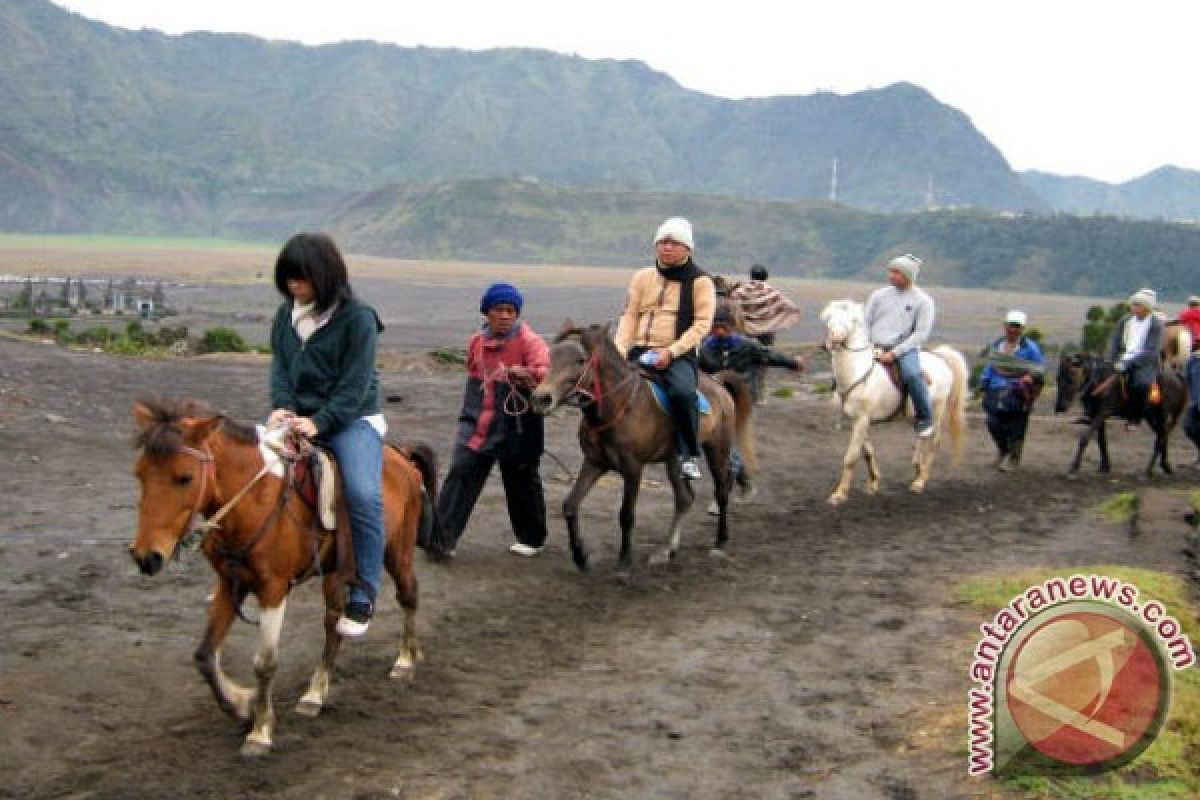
[(826, 658)]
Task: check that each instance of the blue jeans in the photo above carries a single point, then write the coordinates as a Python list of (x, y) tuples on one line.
[(914, 381), (359, 453)]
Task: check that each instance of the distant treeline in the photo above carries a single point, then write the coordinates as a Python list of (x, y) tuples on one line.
[(528, 222)]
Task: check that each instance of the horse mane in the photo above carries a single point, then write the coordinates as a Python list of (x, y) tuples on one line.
[(164, 435)]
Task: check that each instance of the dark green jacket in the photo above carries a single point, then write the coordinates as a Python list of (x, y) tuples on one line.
[(331, 377)]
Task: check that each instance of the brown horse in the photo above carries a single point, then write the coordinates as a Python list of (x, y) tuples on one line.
[(194, 461), (624, 429)]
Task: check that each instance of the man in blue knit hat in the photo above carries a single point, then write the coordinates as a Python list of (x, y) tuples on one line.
[(505, 360)]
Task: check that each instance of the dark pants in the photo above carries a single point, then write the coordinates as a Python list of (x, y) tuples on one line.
[(1191, 416), (1138, 379), (1008, 431), (522, 490), (757, 377), (680, 380)]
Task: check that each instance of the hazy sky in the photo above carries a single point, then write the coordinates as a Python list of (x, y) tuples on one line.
[(1103, 89)]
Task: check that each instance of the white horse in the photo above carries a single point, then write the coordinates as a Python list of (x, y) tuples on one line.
[(868, 395)]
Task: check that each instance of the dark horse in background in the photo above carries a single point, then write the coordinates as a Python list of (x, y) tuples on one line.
[(624, 429), (1101, 391)]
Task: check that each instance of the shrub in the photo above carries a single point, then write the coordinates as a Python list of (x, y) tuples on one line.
[(38, 326), (222, 340)]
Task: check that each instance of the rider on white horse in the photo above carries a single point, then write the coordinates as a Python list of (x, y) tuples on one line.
[(900, 318)]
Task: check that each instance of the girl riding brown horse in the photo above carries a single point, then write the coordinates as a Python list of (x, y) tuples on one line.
[(193, 461)]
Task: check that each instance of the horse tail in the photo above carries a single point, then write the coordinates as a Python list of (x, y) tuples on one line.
[(956, 402), (743, 406), (424, 459)]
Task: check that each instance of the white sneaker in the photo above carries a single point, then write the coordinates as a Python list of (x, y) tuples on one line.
[(690, 469), (924, 430), (354, 620), (521, 549)]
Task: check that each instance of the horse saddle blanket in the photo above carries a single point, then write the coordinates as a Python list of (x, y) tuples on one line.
[(314, 475), (316, 480), (660, 396)]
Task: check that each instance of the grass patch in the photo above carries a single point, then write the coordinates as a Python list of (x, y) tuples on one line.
[(1119, 508), (1169, 768), (783, 391)]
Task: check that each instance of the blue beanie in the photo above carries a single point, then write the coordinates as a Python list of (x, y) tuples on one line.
[(499, 293)]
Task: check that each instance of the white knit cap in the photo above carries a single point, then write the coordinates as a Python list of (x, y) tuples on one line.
[(1194, 300), (1144, 297), (677, 229), (907, 264), (1016, 317)]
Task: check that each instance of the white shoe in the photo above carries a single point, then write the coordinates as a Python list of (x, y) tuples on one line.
[(925, 430), (714, 509), (522, 549), (354, 620), (690, 469)]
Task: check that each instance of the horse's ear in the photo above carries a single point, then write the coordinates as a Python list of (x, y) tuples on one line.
[(568, 326), (197, 429), (143, 416)]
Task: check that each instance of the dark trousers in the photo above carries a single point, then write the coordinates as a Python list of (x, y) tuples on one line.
[(522, 490), (1008, 431), (756, 378), (679, 380), (1191, 417)]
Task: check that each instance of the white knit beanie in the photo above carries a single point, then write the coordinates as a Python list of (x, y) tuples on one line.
[(1145, 297), (677, 229), (1016, 317), (907, 264)]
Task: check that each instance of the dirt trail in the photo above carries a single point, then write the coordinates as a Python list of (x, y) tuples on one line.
[(824, 659)]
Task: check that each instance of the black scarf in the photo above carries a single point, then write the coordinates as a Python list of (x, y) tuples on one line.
[(686, 273)]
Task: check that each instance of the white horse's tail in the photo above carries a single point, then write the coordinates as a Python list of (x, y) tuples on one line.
[(956, 403)]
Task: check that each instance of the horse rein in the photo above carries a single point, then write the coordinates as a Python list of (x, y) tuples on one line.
[(844, 393), (590, 373)]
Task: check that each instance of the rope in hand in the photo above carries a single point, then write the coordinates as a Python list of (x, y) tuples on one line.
[(515, 402)]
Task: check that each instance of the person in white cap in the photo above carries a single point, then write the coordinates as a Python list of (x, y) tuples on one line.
[(900, 318), (1134, 348), (1011, 380), (668, 312)]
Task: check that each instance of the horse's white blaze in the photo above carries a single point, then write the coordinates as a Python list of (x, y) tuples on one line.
[(239, 696)]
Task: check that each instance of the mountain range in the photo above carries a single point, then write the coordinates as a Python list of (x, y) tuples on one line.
[(111, 130)]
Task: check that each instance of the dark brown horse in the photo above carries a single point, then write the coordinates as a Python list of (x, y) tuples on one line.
[(624, 429), (1102, 393), (193, 461)]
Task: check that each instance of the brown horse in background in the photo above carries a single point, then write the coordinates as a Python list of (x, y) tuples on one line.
[(624, 429), (194, 461)]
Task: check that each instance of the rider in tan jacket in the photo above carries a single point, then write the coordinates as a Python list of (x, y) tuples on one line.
[(668, 312)]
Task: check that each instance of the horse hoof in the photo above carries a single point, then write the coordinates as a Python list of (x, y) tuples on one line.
[(836, 499), (917, 488), (661, 557), (872, 490), (402, 673), (255, 748), (581, 561), (718, 552), (308, 708)]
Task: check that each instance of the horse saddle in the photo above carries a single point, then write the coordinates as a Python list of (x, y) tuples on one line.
[(660, 397), (314, 474), (315, 479)]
